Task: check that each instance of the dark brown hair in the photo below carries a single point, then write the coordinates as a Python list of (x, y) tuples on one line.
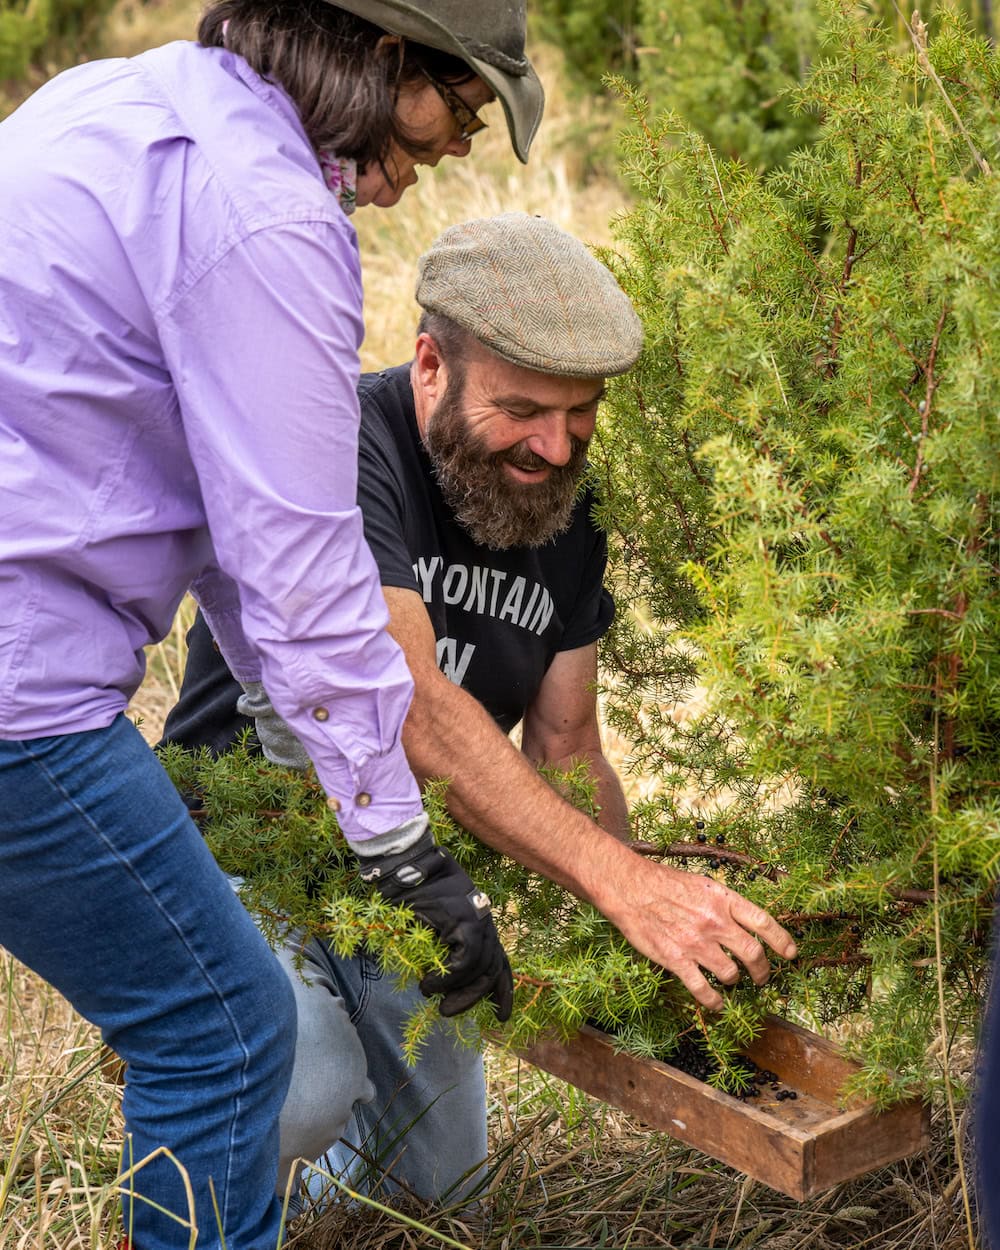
[(343, 83)]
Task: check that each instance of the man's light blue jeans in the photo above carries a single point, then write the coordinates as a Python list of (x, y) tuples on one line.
[(108, 891), (421, 1130)]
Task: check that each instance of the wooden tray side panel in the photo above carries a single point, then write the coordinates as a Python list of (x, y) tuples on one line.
[(862, 1140), (667, 1099)]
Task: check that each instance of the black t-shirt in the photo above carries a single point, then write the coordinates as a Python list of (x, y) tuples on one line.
[(499, 617)]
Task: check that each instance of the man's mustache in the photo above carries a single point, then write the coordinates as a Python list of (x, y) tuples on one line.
[(523, 458)]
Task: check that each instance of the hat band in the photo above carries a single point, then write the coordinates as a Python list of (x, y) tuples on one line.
[(517, 67)]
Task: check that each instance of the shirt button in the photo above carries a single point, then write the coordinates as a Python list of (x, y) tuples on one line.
[(320, 713), (362, 799), (333, 804)]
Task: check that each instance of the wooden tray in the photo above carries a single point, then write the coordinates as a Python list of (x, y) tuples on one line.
[(799, 1147)]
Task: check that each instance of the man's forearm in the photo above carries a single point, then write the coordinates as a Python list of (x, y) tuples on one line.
[(495, 792)]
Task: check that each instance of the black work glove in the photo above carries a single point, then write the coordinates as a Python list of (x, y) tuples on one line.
[(441, 894)]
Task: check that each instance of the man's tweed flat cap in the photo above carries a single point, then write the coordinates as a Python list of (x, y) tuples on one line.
[(533, 294)]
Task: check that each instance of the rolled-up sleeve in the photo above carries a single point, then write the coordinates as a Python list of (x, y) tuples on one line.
[(263, 349)]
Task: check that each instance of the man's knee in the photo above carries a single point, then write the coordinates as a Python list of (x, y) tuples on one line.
[(330, 1073)]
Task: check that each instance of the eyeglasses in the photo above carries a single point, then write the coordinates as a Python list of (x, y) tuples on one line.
[(468, 120)]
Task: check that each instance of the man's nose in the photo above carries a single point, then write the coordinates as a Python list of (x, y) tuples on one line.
[(552, 441)]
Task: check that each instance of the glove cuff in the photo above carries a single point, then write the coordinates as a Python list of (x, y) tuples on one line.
[(374, 869)]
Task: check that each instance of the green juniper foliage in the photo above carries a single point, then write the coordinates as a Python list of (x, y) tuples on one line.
[(726, 69), (30, 29), (729, 68), (595, 35), (801, 485)]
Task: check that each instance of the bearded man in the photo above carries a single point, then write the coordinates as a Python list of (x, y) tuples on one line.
[(471, 464)]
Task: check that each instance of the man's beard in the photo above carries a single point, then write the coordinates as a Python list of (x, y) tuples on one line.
[(495, 510)]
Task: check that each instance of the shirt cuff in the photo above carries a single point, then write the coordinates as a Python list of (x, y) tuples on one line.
[(370, 799)]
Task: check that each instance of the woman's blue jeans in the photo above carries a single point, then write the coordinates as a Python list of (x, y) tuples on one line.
[(108, 891), (986, 1134)]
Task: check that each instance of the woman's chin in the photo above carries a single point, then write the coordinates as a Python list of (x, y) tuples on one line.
[(381, 193)]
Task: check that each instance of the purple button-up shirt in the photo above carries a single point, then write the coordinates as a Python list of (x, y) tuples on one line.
[(180, 319)]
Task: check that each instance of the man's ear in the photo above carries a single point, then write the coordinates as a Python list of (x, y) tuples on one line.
[(430, 373)]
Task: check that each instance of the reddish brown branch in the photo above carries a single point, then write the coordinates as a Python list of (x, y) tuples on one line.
[(945, 612), (702, 850), (522, 978), (930, 386)]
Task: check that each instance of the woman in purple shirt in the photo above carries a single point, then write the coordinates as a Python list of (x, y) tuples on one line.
[(180, 319)]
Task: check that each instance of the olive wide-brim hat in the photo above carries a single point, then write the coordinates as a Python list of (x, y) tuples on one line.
[(488, 35)]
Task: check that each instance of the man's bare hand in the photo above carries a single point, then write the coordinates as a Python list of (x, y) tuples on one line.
[(686, 923)]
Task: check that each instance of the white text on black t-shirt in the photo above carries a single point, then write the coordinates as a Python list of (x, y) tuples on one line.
[(482, 590)]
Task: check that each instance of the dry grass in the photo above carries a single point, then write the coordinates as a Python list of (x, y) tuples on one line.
[(567, 1171), (604, 1182), (59, 1121)]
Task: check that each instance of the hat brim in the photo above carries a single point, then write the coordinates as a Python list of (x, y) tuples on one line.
[(523, 100), (522, 96)]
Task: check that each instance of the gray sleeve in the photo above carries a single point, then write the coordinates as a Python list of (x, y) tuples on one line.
[(277, 741)]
